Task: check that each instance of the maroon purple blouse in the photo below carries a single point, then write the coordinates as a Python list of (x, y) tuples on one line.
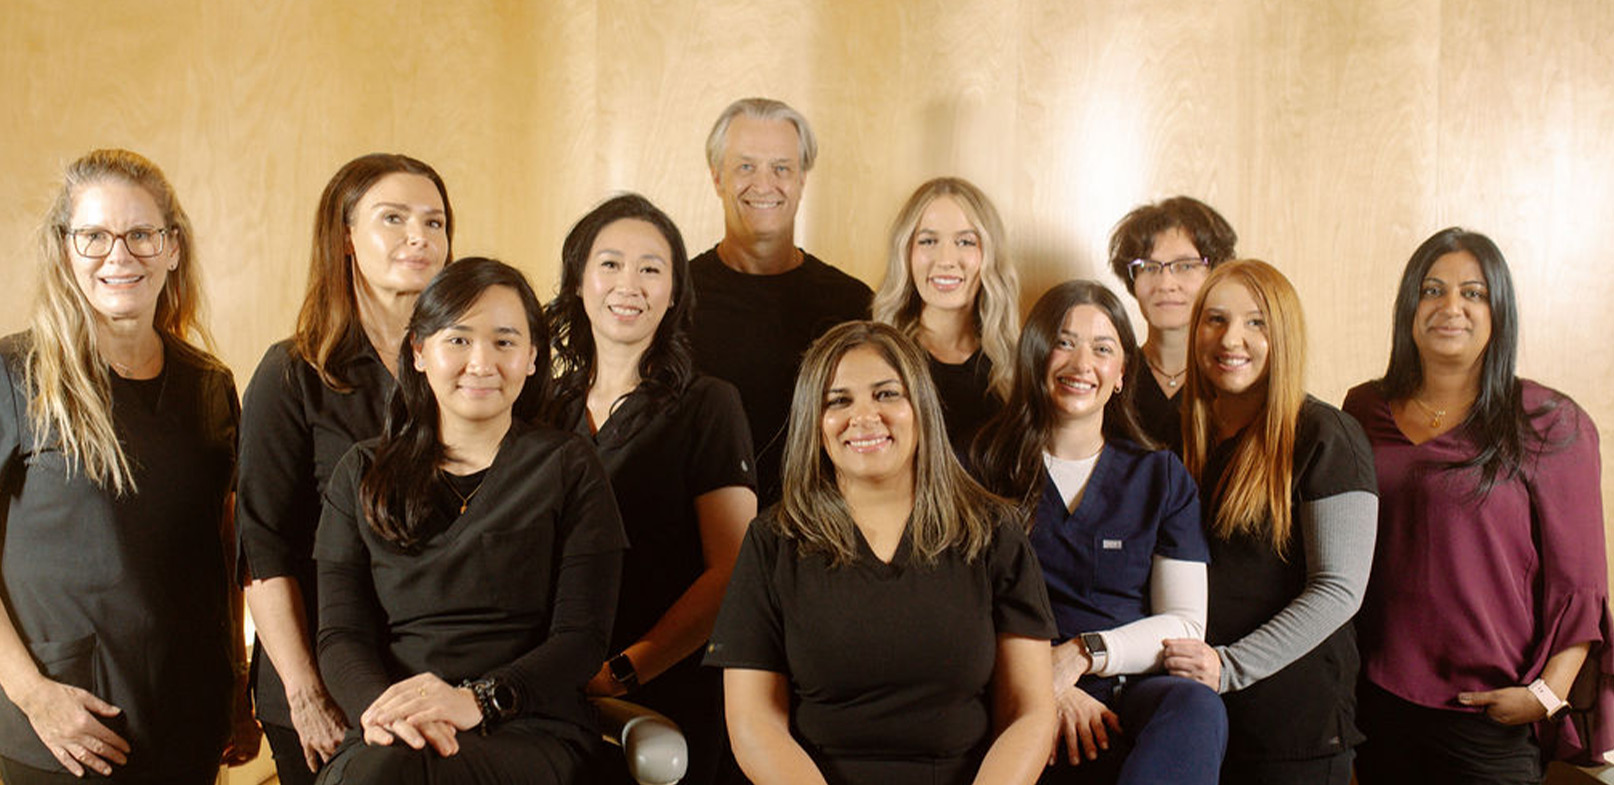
[(1461, 598)]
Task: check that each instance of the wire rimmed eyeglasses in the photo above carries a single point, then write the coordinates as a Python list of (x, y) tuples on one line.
[(94, 242), (1144, 268)]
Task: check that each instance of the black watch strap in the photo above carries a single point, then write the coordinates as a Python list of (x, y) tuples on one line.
[(623, 672), (495, 699)]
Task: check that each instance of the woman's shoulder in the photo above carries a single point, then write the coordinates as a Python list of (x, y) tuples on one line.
[(1362, 397), (1554, 415), (13, 350)]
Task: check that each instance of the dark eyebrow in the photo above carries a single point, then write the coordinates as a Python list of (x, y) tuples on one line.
[(508, 330), (402, 206)]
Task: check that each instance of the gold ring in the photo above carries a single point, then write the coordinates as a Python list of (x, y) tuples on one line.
[(422, 692)]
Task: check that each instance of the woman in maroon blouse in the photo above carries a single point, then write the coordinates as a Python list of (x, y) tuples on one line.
[(1488, 586)]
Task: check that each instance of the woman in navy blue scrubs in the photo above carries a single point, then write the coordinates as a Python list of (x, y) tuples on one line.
[(1115, 525)]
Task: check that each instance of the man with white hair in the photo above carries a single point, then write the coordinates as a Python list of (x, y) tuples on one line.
[(759, 299)]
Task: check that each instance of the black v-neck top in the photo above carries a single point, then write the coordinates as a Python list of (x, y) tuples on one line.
[(294, 429), (522, 586), (126, 596), (887, 660)]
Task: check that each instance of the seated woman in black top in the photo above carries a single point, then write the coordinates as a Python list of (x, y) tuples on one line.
[(117, 443), (468, 561), (885, 621), (1162, 252), (678, 452), (950, 284), (1115, 525)]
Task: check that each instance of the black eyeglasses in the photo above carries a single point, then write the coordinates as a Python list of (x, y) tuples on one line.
[(143, 242), (1143, 268)]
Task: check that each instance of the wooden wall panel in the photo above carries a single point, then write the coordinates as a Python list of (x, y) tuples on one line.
[(1335, 136)]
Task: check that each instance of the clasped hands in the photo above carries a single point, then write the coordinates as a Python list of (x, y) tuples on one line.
[(421, 710)]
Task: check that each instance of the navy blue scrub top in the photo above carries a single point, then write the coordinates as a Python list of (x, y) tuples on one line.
[(1096, 561)]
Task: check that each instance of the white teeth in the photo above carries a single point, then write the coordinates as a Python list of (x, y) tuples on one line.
[(862, 443), (1077, 384), (625, 310), (1235, 362), (946, 281), (122, 280)]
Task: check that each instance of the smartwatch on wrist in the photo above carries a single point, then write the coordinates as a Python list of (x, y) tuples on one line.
[(495, 699), (622, 671), (1097, 653)]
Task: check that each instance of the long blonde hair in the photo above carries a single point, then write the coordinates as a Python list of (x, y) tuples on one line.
[(997, 305), (950, 510), (1255, 492), (70, 389)]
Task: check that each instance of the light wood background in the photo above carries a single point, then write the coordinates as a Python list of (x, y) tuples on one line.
[(1335, 135)]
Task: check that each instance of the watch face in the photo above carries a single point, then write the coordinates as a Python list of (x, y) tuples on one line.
[(504, 698)]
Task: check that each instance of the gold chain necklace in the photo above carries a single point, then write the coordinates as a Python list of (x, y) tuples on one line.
[(465, 498), (1436, 416)]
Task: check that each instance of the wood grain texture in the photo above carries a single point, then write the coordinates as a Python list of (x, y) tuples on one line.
[(1335, 136)]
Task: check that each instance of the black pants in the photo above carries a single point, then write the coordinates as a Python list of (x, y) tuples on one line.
[(510, 755), (1408, 743), (287, 748), (1328, 770), (14, 773)]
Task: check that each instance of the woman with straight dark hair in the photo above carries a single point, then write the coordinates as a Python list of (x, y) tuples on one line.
[(950, 285), (1162, 252), (383, 228), (117, 445), (885, 622), (468, 561), (1476, 467), (1115, 525), (1287, 489), (678, 452)]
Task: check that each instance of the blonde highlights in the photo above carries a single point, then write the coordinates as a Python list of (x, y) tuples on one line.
[(70, 393), (1255, 493), (997, 304), (950, 511)]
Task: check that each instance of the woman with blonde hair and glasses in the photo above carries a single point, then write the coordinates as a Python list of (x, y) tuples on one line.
[(886, 621), (951, 286), (117, 444), (383, 228), (1290, 503)]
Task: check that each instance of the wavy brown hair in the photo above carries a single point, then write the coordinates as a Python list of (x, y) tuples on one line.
[(330, 308), (950, 511)]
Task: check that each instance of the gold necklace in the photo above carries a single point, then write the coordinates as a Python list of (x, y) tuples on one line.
[(465, 498), (1436, 416)]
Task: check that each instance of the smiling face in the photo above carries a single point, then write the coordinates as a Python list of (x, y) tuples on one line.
[(1085, 367), (1453, 321), (945, 256), (627, 283), (477, 366), (120, 286), (868, 421), (1232, 343), (760, 178), (398, 233), (1167, 298)]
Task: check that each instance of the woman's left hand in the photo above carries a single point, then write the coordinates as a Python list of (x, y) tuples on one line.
[(425, 707), (1508, 706), (1192, 658)]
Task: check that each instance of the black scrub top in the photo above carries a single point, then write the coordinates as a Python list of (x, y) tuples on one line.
[(886, 661), (126, 596), (521, 586), (966, 398), (1159, 415), (294, 429), (660, 455)]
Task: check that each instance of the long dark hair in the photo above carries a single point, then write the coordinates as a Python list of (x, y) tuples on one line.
[(396, 492), (667, 366), (1007, 453), (329, 308), (1497, 423)]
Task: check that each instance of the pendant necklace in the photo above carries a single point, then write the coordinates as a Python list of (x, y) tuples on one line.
[(1436, 416), (465, 498), (1171, 378)]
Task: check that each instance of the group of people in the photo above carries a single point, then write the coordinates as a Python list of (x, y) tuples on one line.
[(837, 535)]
